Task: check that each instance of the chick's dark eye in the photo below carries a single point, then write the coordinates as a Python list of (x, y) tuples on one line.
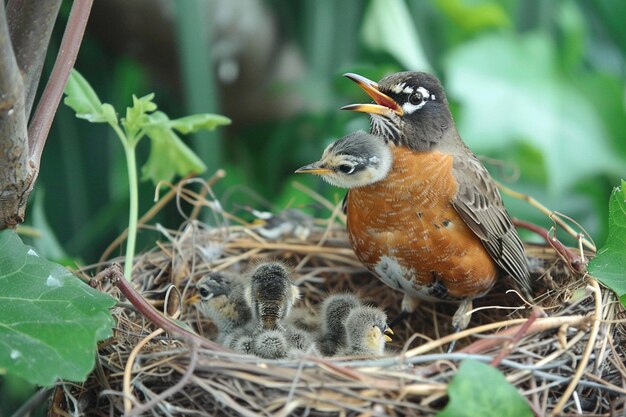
[(415, 98), (346, 169), (204, 293)]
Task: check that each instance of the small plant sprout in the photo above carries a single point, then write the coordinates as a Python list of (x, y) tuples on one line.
[(169, 156)]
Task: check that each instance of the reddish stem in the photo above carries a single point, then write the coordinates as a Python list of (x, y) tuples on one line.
[(518, 336), (115, 274), (575, 262)]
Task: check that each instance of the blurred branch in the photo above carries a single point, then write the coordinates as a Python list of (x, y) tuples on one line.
[(16, 174), (30, 25), (47, 106)]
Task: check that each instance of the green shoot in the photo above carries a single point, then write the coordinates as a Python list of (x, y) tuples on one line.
[(169, 156)]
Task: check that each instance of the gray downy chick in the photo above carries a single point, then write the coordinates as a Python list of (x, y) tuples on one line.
[(367, 332), (270, 296), (335, 310), (223, 301)]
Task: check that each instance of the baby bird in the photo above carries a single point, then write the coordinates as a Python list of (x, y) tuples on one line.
[(223, 301), (241, 340), (270, 296), (367, 332), (304, 318), (270, 344), (335, 310)]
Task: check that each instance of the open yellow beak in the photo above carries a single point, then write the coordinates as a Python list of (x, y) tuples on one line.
[(388, 332), (313, 168), (384, 103)]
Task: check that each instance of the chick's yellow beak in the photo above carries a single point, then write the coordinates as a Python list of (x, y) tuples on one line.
[(384, 103)]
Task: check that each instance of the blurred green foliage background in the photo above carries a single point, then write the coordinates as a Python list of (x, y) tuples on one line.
[(536, 84)]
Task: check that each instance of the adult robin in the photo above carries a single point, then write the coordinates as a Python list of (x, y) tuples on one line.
[(423, 213)]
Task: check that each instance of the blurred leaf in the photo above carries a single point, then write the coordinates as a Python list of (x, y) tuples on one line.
[(51, 320), (609, 265), (47, 245), (479, 389), (168, 154), (473, 15), (387, 27), (137, 115), (196, 122), (85, 102), (511, 90), (573, 33)]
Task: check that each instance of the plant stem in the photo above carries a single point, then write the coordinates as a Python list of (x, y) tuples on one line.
[(133, 212)]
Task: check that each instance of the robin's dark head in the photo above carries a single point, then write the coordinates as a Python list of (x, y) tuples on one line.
[(410, 108), (356, 160)]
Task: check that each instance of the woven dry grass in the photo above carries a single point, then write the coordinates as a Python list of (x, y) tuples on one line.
[(568, 359)]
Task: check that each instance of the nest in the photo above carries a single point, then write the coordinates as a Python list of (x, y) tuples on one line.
[(565, 355)]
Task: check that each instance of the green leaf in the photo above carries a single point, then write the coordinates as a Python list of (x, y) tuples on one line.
[(193, 123), (511, 90), (609, 265), (168, 154), (137, 115), (50, 320), (388, 27), (85, 102), (479, 389)]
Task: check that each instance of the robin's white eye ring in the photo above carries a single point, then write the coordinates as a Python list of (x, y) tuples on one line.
[(204, 293), (415, 98), (346, 168)]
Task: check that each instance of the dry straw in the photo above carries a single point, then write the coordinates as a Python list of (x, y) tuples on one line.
[(566, 355)]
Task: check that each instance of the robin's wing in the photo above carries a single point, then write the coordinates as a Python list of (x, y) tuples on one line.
[(479, 203)]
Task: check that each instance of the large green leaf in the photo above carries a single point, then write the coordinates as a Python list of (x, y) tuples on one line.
[(168, 154), (50, 320), (609, 265), (481, 390), (511, 90), (388, 27)]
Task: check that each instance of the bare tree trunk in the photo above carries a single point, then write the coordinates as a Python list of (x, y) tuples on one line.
[(26, 27), (16, 174)]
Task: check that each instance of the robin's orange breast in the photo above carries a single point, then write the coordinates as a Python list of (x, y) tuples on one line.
[(405, 230)]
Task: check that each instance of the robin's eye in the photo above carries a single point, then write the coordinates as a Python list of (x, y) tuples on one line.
[(204, 293), (415, 98), (346, 168)]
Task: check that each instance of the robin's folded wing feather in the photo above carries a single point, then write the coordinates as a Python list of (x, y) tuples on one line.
[(479, 203)]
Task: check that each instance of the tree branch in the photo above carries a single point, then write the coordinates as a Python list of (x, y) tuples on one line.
[(47, 106), (15, 173), (30, 25)]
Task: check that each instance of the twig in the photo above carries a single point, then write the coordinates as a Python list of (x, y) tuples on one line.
[(573, 260), (128, 369), (523, 329), (114, 273), (551, 214), (171, 390), (51, 96), (481, 345), (580, 370)]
